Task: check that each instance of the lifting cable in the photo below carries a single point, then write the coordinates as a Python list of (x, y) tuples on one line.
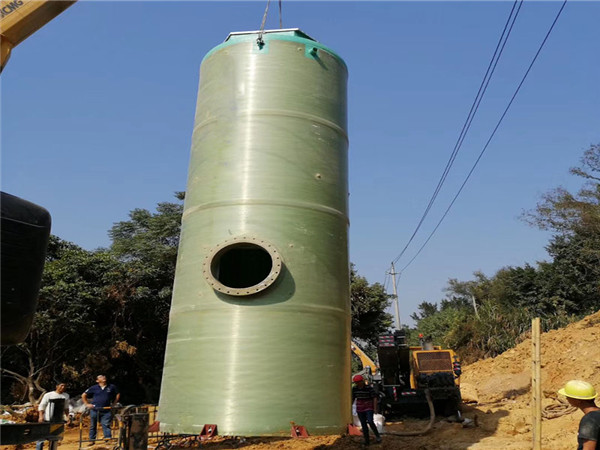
[(260, 40), (510, 21), (280, 16), (491, 136)]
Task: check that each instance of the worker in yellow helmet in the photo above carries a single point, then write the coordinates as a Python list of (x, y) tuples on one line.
[(581, 394)]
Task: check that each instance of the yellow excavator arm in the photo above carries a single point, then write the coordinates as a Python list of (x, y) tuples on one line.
[(364, 359), (21, 18)]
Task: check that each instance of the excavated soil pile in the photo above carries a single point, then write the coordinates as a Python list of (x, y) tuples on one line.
[(497, 396)]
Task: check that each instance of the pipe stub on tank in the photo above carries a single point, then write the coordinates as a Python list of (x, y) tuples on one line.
[(242, 266)]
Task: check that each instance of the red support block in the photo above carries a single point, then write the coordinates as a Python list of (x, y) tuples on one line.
[(208, 432), (353, 430), (298, 431)]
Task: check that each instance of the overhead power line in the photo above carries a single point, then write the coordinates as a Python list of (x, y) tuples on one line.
[(510, 21), (491, 136)]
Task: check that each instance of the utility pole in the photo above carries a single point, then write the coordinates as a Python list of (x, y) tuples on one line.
[(393, 274)]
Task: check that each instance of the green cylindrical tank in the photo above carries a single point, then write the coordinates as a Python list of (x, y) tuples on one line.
[(259, 332)]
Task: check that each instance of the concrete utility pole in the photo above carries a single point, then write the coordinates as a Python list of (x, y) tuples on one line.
[(393, 274)]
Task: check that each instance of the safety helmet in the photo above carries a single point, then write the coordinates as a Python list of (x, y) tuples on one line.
[(581, 390), (357, 378)]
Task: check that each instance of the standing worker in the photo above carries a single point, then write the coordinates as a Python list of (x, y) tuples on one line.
[(45, 407), (104, 396), (366, 405), (581, 394)]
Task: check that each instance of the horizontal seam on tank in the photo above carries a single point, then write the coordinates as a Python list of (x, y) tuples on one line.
[(279, 309), (289, 203), (279, 112)]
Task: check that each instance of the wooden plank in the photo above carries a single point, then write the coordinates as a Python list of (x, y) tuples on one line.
[(536, 383)]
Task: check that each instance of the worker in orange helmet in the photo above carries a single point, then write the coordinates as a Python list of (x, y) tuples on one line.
[(581, 394), (366, 405)]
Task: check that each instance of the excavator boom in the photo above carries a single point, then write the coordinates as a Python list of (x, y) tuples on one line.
[(21, 18), (364, 359)]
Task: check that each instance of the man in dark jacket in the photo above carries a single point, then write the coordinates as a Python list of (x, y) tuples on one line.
[(103, 397), (366, 405), (581, 394)]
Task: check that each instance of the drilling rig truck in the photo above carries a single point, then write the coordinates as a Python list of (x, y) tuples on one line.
[(408, 372)]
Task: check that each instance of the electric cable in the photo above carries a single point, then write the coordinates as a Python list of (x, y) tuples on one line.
[(491, 136), (510, 21)]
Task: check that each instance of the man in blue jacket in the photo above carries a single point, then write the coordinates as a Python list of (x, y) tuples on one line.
[(103, 397)]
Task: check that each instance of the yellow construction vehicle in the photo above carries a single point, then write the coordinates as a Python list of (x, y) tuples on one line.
[(408, 372), (21, 18)]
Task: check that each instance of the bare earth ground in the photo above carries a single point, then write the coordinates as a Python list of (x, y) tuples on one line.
[(497, 396)]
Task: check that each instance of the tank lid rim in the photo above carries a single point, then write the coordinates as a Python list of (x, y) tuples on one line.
[(296, 31), (287, 34)]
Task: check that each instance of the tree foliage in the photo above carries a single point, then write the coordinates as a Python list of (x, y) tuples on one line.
[(368, 305), (559, 290), (568, 214), (75, 298), (146, 245)]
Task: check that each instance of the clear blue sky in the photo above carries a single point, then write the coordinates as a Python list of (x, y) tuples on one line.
[(98, 110)]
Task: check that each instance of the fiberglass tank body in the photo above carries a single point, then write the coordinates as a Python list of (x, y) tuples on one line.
[(259, 327)]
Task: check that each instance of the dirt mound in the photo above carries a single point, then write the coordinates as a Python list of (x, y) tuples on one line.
[(567, 353), (503, 385)]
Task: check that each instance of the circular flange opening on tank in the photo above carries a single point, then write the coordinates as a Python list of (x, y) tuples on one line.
[(242, 266)]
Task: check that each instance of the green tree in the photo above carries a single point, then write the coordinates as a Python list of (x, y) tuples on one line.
[(72, 322), (368, 304), (103, 311), (147, 246), (567, 213), (572, 279), (425, 309)]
